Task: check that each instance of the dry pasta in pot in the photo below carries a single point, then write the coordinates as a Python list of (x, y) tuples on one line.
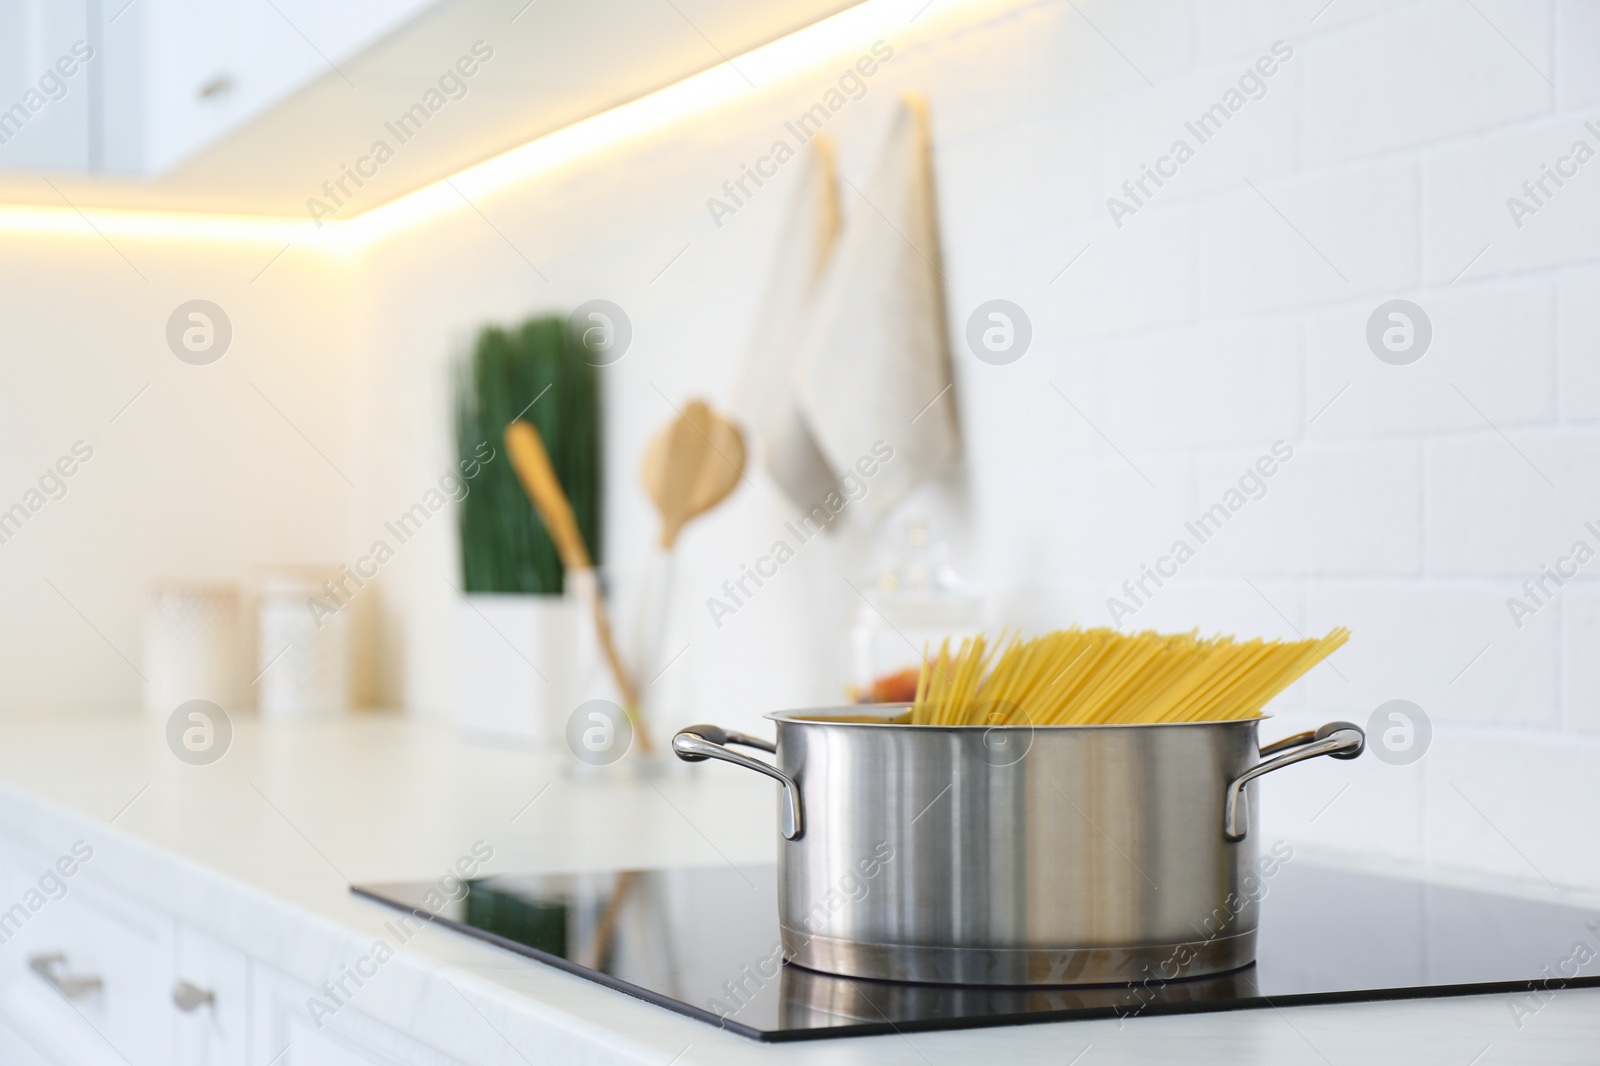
[(1102, 677)]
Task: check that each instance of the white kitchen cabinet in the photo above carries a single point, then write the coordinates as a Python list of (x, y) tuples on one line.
[(36, 35), (93, 978), (205, 67), (84, 976), (168, 77), (16, 1049), (284, 1034)]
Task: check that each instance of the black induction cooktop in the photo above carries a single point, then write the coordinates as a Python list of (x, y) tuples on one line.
[(704, 942)]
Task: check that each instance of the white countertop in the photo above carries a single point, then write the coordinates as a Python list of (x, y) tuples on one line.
[(260, 847)]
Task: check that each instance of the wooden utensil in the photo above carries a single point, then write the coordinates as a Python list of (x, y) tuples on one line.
[(691, 466), (539, 481)]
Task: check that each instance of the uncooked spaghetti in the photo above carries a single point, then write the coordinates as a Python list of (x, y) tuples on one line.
[(1101, 677)]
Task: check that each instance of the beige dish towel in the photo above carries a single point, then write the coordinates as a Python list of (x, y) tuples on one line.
[(764, 398), (874, 358)]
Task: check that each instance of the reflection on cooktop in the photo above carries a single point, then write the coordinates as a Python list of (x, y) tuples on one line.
[(704, 942)]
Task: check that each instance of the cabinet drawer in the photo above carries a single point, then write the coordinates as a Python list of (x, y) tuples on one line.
[(16, 1049), (284, 1033), (84, 973)]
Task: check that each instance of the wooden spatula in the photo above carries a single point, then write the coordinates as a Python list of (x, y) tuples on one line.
[(691, 466), (539, 481)]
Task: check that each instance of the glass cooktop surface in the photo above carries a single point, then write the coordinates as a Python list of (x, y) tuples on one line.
[(704, 942)]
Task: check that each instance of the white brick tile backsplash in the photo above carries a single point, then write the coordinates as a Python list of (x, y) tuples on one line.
[(1014, 414), (1138, 278), (1156, 37), (1425, 74), (1580, 344), (1078, 519), (1007, 182), (1036, 58), (1469, 229), (1344, 510), (1577, 45), (1272, 609), (1495, 343), (1310, 239), (1235, 30), (980, 271), (1223, 315), (1526, 807), (1580, 617), (1450, 648), (1491, 511), (1240, 27), (1361, 805), (1014, 595), (1261, 139), (1215, 384)]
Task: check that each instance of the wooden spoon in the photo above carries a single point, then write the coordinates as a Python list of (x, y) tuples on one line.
[(691, 466), (539, 481)]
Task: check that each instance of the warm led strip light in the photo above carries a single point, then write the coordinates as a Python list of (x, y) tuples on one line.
[(182, 225), (800, 51)]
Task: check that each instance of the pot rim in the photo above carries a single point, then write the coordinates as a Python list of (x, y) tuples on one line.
[(801, 716)]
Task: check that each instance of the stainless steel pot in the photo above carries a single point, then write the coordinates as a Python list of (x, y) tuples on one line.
[(1014, 854)]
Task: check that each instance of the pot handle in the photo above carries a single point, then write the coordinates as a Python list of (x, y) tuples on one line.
[(699, 742), (1341, 740)]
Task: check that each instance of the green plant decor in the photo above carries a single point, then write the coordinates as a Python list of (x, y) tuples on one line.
[(504, 546)]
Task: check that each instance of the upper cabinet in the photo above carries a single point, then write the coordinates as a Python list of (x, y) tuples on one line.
[(137, 86), (47, 93)]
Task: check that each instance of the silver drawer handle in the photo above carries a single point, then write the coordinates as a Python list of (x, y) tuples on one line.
[(190, 998), (52, 971)]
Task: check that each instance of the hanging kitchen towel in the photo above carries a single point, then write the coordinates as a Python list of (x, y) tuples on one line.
[(764, 397), (874, 359)]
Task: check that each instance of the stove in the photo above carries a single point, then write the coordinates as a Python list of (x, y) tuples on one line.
[(704, 942)]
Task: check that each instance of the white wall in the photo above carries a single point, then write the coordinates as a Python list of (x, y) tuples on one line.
[(135, 105), (1216, 320), (194, 474)]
